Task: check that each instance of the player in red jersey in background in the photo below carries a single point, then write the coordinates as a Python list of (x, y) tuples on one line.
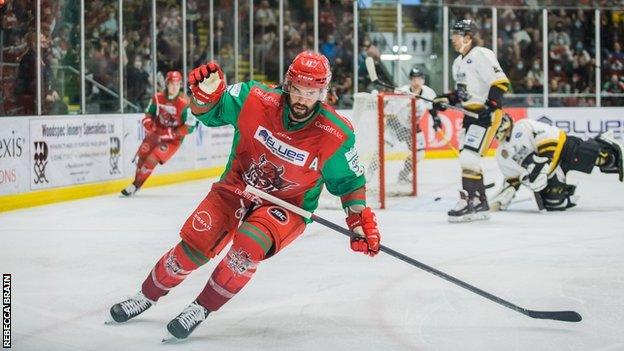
[(287, 142), (167, 121)]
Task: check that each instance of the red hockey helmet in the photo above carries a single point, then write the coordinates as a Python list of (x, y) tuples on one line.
[(311, 70), (173, 76)]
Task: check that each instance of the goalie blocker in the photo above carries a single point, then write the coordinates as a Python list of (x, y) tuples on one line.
[(539, 156)]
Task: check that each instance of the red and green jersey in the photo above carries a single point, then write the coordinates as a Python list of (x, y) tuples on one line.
[(292, 161), (170, 113)]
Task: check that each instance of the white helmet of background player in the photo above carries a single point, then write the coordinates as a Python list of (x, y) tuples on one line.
[(310, 70), (417, 77), (416, 72), (504, 130)]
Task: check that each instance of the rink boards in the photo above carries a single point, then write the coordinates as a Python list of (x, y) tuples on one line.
[(56, 158)]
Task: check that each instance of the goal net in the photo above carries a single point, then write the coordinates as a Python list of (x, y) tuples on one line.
[(385, 130)]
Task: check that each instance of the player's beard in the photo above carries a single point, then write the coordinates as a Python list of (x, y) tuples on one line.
[(301, 114)]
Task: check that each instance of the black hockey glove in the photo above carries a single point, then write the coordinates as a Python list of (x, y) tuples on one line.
[(441, 102), (437, 123), (485, 115)]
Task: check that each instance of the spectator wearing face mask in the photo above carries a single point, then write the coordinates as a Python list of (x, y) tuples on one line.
[(520, 36), (507, 33), (557, 73), (517, 73), (580, 58), (578, 31), (558, 37), (536, 73)]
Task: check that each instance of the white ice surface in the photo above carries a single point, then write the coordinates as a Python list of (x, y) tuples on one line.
[(71, 261)]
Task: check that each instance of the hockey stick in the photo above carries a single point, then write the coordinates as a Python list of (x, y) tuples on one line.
[(565, 316), (372, 73), (441, 133)]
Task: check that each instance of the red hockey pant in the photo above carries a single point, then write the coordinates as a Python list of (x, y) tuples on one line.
[(265, 231)]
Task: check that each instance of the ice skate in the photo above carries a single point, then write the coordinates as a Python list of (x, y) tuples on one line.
[(183, 325), (130, 308), (129, 190), (468, 209)]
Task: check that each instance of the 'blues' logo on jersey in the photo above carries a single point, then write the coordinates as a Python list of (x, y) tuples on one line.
[(281, 149)]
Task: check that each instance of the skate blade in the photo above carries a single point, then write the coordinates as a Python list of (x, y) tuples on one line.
[(111, 321), (471, 217), (170, 339)]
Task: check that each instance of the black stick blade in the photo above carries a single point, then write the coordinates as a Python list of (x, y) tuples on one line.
[(565, 316)]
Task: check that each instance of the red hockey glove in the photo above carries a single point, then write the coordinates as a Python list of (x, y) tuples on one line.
[(207, 83), (366, 235), (148, 124)]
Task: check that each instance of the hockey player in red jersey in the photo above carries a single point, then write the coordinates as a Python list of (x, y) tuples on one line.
[(167, 121), (287, 142)]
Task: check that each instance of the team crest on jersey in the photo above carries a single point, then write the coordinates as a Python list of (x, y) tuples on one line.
[(166, 115), (520, 153), (266, 176)]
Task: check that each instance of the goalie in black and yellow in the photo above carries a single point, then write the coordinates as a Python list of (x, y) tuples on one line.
[(539, 156)]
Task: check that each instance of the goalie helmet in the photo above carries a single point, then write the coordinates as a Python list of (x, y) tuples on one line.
[(309, 69), (173, 76), (465, 27), (506, 125)]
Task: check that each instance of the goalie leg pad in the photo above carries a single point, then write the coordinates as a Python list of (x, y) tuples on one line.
[(616, 150), (558, 196), (502, 200), (579, 155)]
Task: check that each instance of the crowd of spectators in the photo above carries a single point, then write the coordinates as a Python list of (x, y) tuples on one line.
[(612, 65), (570, 39), (336, 42), (18, 93)]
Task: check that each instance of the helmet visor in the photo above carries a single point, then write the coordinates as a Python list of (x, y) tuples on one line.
[(304, 92)]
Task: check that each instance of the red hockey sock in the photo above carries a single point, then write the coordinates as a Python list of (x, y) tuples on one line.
[(143, 171), (250, 246), (171, 269)]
